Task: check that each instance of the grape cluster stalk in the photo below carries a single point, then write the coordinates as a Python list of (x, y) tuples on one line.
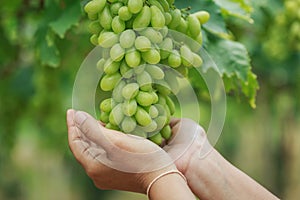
[(141, 61)]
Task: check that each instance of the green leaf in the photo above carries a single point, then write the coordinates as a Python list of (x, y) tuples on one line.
[(236, 8), (250, 87), (69, 17), (231, 57), (233, 63), (46, 48), (216, 23)]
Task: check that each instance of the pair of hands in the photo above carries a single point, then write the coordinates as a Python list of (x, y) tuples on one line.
[(114, 160)]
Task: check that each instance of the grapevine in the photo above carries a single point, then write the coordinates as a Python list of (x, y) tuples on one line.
[(138, 47)]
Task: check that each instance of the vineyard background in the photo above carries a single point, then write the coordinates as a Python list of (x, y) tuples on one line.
[(41, 50)]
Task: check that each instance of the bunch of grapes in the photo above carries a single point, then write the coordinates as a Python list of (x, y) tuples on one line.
[(142, 61)]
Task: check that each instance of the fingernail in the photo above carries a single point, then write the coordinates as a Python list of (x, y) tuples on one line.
[(80, 117)]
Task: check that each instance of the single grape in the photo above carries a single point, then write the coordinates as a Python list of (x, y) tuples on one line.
[(129, 107), (116, 115), (111, 67), (133, 58), (105, 18), (117, 53), (151, 56), (144, 98), (108, 39), (142, 20), (130, 90), (166, 132), (117, 25), (157, 18), (109, 81), (142, 117), (106, 105), (128, 124), (157, 138), (104, 117), (135, 6), (142, 43), (124, 13), (117, 92), (155, 72)]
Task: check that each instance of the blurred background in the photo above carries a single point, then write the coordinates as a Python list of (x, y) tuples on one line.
[(41, 51)]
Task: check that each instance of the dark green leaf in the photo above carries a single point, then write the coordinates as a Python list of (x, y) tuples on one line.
[(69, 17)]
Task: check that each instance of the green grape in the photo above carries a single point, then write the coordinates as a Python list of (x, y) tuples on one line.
[(130, 90), (157, 4), (154, 96), (145, 81), (139, 69), (166, 47), (135, 6), (171, 79), (166, 132), (104, 117), (161, 103), (183, 26), (124, 13), (183, 71), (124, 68), (197, 61), (107, 39), (176, 16), (162, 87), (95, 27), (174, 59), (115, 7), (100, 64), (164, 31), (128, 124), (129, 107), (199, 38), (116, 115), (113, 127), (161, 121), (142, 43), (142, 20), (150, 128), (106, 105), (194, 25), (111, 67), (117, 92), (117, 53), (94, 39), (133, 58), (152, 56), (157, 138), (108, 82), (117, 25), (142, 117), (105, 18), (153, 35), (144, 98), (127, 39), (165, 5), (139, 132), (157, 17), (186, 56), (170, 104), (155, 72), (168, 18), (94, 6), (153, 112), (93, 16), (202, 16)]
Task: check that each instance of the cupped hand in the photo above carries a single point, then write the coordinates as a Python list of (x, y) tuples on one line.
[(188, 140), (114, 160)]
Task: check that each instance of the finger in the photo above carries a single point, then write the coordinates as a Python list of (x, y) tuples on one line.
[(77, 145), (174, 121)]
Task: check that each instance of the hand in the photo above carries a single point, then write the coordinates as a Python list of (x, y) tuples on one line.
[(188, 140), (114, 160)]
